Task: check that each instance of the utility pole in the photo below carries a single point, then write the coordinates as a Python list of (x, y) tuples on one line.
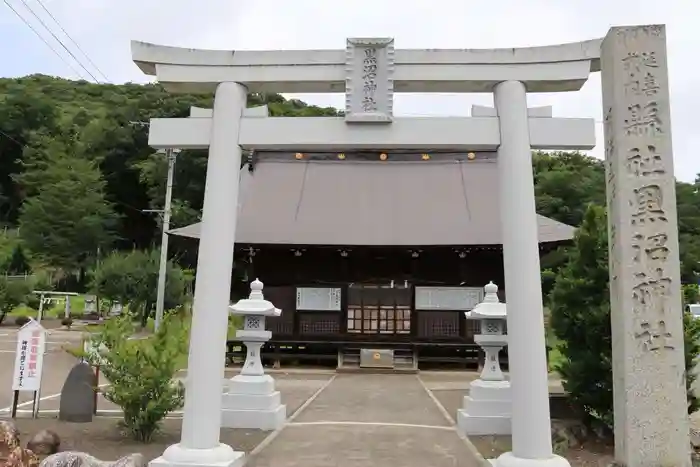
[(171, 154)]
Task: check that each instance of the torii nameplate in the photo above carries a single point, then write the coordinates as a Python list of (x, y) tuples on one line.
[(369, 84)]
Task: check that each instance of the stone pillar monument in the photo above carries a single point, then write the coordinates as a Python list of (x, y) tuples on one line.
[(527, 358), (487, 408), (651, 419), (199, 445), (251, 400)]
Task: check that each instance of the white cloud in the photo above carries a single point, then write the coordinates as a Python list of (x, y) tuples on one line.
[(104, 29)]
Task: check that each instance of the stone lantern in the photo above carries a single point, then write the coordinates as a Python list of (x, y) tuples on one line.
[(487, 408), (251, 401)]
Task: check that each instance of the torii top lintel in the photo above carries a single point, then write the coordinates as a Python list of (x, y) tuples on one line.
[(554, 68)]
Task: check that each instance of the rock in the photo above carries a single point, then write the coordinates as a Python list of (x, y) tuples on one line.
[(72, 459), (21, 458), (132, 460), (695, 439), (602, 431), (78, 395), (9, 438), (568, 433), (44, 443), (82, 459)]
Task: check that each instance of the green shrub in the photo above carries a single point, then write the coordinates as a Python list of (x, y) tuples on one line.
[(580, 319), (141, 372), (691, 327), (12, 294), (21, 320), (32, 301), (235, 322), (131, 278), (691, 294)]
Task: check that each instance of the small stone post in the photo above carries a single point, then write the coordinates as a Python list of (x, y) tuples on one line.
[(251, 400), (487, 408)]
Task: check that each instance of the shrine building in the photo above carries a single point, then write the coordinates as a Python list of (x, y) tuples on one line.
[(373, 250)]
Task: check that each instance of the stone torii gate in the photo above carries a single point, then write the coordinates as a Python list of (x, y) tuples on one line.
[(370, 71)]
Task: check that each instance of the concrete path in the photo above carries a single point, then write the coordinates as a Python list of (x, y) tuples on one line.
[(368, 421)]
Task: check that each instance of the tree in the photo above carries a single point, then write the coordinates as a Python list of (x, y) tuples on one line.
[(141, 372), (132, 278), (65, 219), (46, 117), (12, 294), (691, 324), (566, 183), (18, 264), (688, 207), (691, 341), (580, 319), (188, 186), (106, 121), (24, 110), (691, 294)]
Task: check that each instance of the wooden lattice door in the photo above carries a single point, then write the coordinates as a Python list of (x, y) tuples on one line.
[(379, 309)]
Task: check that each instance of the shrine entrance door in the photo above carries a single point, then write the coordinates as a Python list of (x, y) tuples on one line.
[(379, 309)]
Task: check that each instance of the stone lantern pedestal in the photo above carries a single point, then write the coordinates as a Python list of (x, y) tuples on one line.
[(250, 399), (487, 408)]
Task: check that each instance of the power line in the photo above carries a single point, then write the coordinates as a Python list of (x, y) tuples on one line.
[(41, 4), (24, 2), (24, 20), (11, 138)]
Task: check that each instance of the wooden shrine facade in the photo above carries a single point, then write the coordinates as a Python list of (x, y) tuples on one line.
[(333, 299)]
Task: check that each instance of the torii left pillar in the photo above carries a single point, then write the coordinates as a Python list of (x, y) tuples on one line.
[(199, 445)]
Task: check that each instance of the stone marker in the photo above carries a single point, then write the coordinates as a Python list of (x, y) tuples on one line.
[(651, 419), (44, 443), (78, 395)]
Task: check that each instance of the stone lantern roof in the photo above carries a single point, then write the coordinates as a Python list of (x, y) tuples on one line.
[(491, 307), (255, 304)]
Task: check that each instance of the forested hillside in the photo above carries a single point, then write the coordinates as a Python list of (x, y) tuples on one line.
[(76, 173)]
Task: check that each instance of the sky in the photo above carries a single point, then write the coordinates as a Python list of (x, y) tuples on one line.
[(104, 28)]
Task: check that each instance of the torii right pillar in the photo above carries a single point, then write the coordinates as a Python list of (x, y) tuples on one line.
[(527, 359), (650, 401)]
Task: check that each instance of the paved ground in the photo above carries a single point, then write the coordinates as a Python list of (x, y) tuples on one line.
[(379, 399), (368, 420), (449, 387), (57, 364), (357, 420)]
